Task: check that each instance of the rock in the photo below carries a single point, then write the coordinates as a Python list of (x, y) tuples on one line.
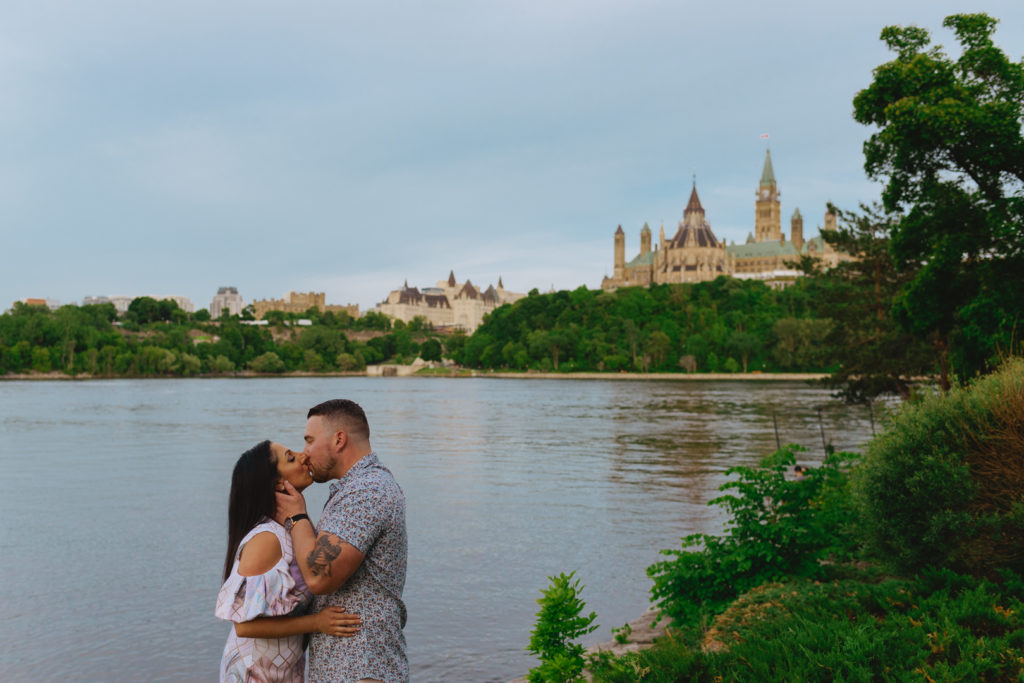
[(642, 634)]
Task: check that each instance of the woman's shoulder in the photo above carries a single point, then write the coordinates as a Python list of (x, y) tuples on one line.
[(267, 525), (260, 554)]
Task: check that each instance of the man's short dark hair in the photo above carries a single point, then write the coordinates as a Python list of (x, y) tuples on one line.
[(343, 410)]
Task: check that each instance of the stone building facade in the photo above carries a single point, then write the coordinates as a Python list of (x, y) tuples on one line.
[(448, 304), (767, 254), (695, 254), (227, 300), (300, 302)]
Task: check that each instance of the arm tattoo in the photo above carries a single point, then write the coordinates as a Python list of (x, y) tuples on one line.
[(323, 554)]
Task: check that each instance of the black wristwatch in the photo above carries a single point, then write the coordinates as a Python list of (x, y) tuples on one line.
[(289, 522)]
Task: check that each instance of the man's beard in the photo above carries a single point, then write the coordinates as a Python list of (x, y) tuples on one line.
[(322, 475)]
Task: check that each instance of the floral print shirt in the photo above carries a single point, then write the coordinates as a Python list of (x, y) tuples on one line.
[(366, 509)]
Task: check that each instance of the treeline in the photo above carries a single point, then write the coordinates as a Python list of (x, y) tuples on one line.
[(156, 338), (726, 325)]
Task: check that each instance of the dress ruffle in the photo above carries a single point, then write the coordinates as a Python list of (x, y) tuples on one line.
[(272, 594)]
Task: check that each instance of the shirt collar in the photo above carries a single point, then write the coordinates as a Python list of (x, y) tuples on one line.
[(367, 461)]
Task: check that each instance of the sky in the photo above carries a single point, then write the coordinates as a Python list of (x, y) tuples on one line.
[(347, 148)]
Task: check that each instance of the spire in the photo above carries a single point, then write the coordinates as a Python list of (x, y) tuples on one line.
[(646, 230), (619, 231), (767, 174), (796, 213), (500, 286), (694, 203), (451, 278)]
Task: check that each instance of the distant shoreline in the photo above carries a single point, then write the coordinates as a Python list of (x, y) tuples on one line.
[(692, 376), (459, 374)]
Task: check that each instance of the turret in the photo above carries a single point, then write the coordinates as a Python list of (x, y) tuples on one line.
[(620, 252), (796, 229), (645, 239), (830, 220)]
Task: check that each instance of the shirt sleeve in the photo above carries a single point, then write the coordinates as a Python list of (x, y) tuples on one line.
[(358, 515)]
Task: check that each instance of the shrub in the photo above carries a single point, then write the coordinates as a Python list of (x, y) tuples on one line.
[(348, 361), (944, 485), (559, 623), (267, 362), (222, 364), (778, 528)]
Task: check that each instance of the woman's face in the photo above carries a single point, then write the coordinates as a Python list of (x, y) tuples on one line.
[(289, 466)]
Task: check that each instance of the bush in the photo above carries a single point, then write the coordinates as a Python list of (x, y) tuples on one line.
[(268, 362), (221, 364), (944, 485), (559, 623), (778, 528)]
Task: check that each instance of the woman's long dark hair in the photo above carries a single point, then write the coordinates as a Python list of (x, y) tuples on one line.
[(252, 496)]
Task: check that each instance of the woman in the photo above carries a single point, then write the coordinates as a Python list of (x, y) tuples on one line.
[(263, 592)]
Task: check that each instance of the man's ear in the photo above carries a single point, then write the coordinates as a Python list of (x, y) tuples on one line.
[(340, 439)]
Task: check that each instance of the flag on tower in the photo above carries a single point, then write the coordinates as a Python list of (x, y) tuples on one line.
[(764, 136)]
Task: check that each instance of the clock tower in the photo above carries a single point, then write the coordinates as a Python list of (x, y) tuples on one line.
[(767, 212)]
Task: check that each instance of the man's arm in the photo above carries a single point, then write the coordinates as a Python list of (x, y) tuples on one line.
[(325, 561)]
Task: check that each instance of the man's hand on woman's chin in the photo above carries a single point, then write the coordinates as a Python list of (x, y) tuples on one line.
[(289, 502)]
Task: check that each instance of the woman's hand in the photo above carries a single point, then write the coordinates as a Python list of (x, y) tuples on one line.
[(289, 502), (335, 621)]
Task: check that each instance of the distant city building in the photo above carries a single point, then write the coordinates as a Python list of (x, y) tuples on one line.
[(300, 302), (227, 300), (52, 304), (448, 304), (694, 254), (121, 302)]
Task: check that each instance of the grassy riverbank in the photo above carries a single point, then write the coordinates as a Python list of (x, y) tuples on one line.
[(863, 624), (905, 563)]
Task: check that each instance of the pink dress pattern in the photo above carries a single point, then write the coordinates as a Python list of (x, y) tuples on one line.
[(279, 592)]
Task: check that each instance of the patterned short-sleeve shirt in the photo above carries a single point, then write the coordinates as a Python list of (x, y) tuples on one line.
[(366, 509)]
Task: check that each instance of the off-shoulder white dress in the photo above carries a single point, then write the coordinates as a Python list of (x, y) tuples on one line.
[(281, 591)]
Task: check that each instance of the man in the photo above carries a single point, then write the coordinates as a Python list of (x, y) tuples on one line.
[(356, 556)]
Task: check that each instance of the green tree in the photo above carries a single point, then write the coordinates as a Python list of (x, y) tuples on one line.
[(41, 361), (222, 365), (950, 149), (657, 347), (560, 622), (430, 350), (874, 354), (267, 362), (744, 345)]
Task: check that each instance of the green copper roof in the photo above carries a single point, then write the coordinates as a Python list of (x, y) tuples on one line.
[(817, 242), (645, 230), (796, 213), (768, 174), (762, 249), (642, 260)]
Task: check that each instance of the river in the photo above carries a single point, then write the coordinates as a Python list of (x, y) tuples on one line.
[(114, 493)]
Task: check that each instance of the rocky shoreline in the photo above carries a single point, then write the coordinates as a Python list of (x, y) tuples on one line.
[(642, 633)]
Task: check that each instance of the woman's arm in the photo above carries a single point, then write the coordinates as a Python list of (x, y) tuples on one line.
[(333, 621)]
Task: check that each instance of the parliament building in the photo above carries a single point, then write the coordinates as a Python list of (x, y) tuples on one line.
[(695, 254)]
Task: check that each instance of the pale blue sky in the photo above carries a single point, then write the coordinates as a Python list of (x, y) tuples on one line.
[(171, 148)]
